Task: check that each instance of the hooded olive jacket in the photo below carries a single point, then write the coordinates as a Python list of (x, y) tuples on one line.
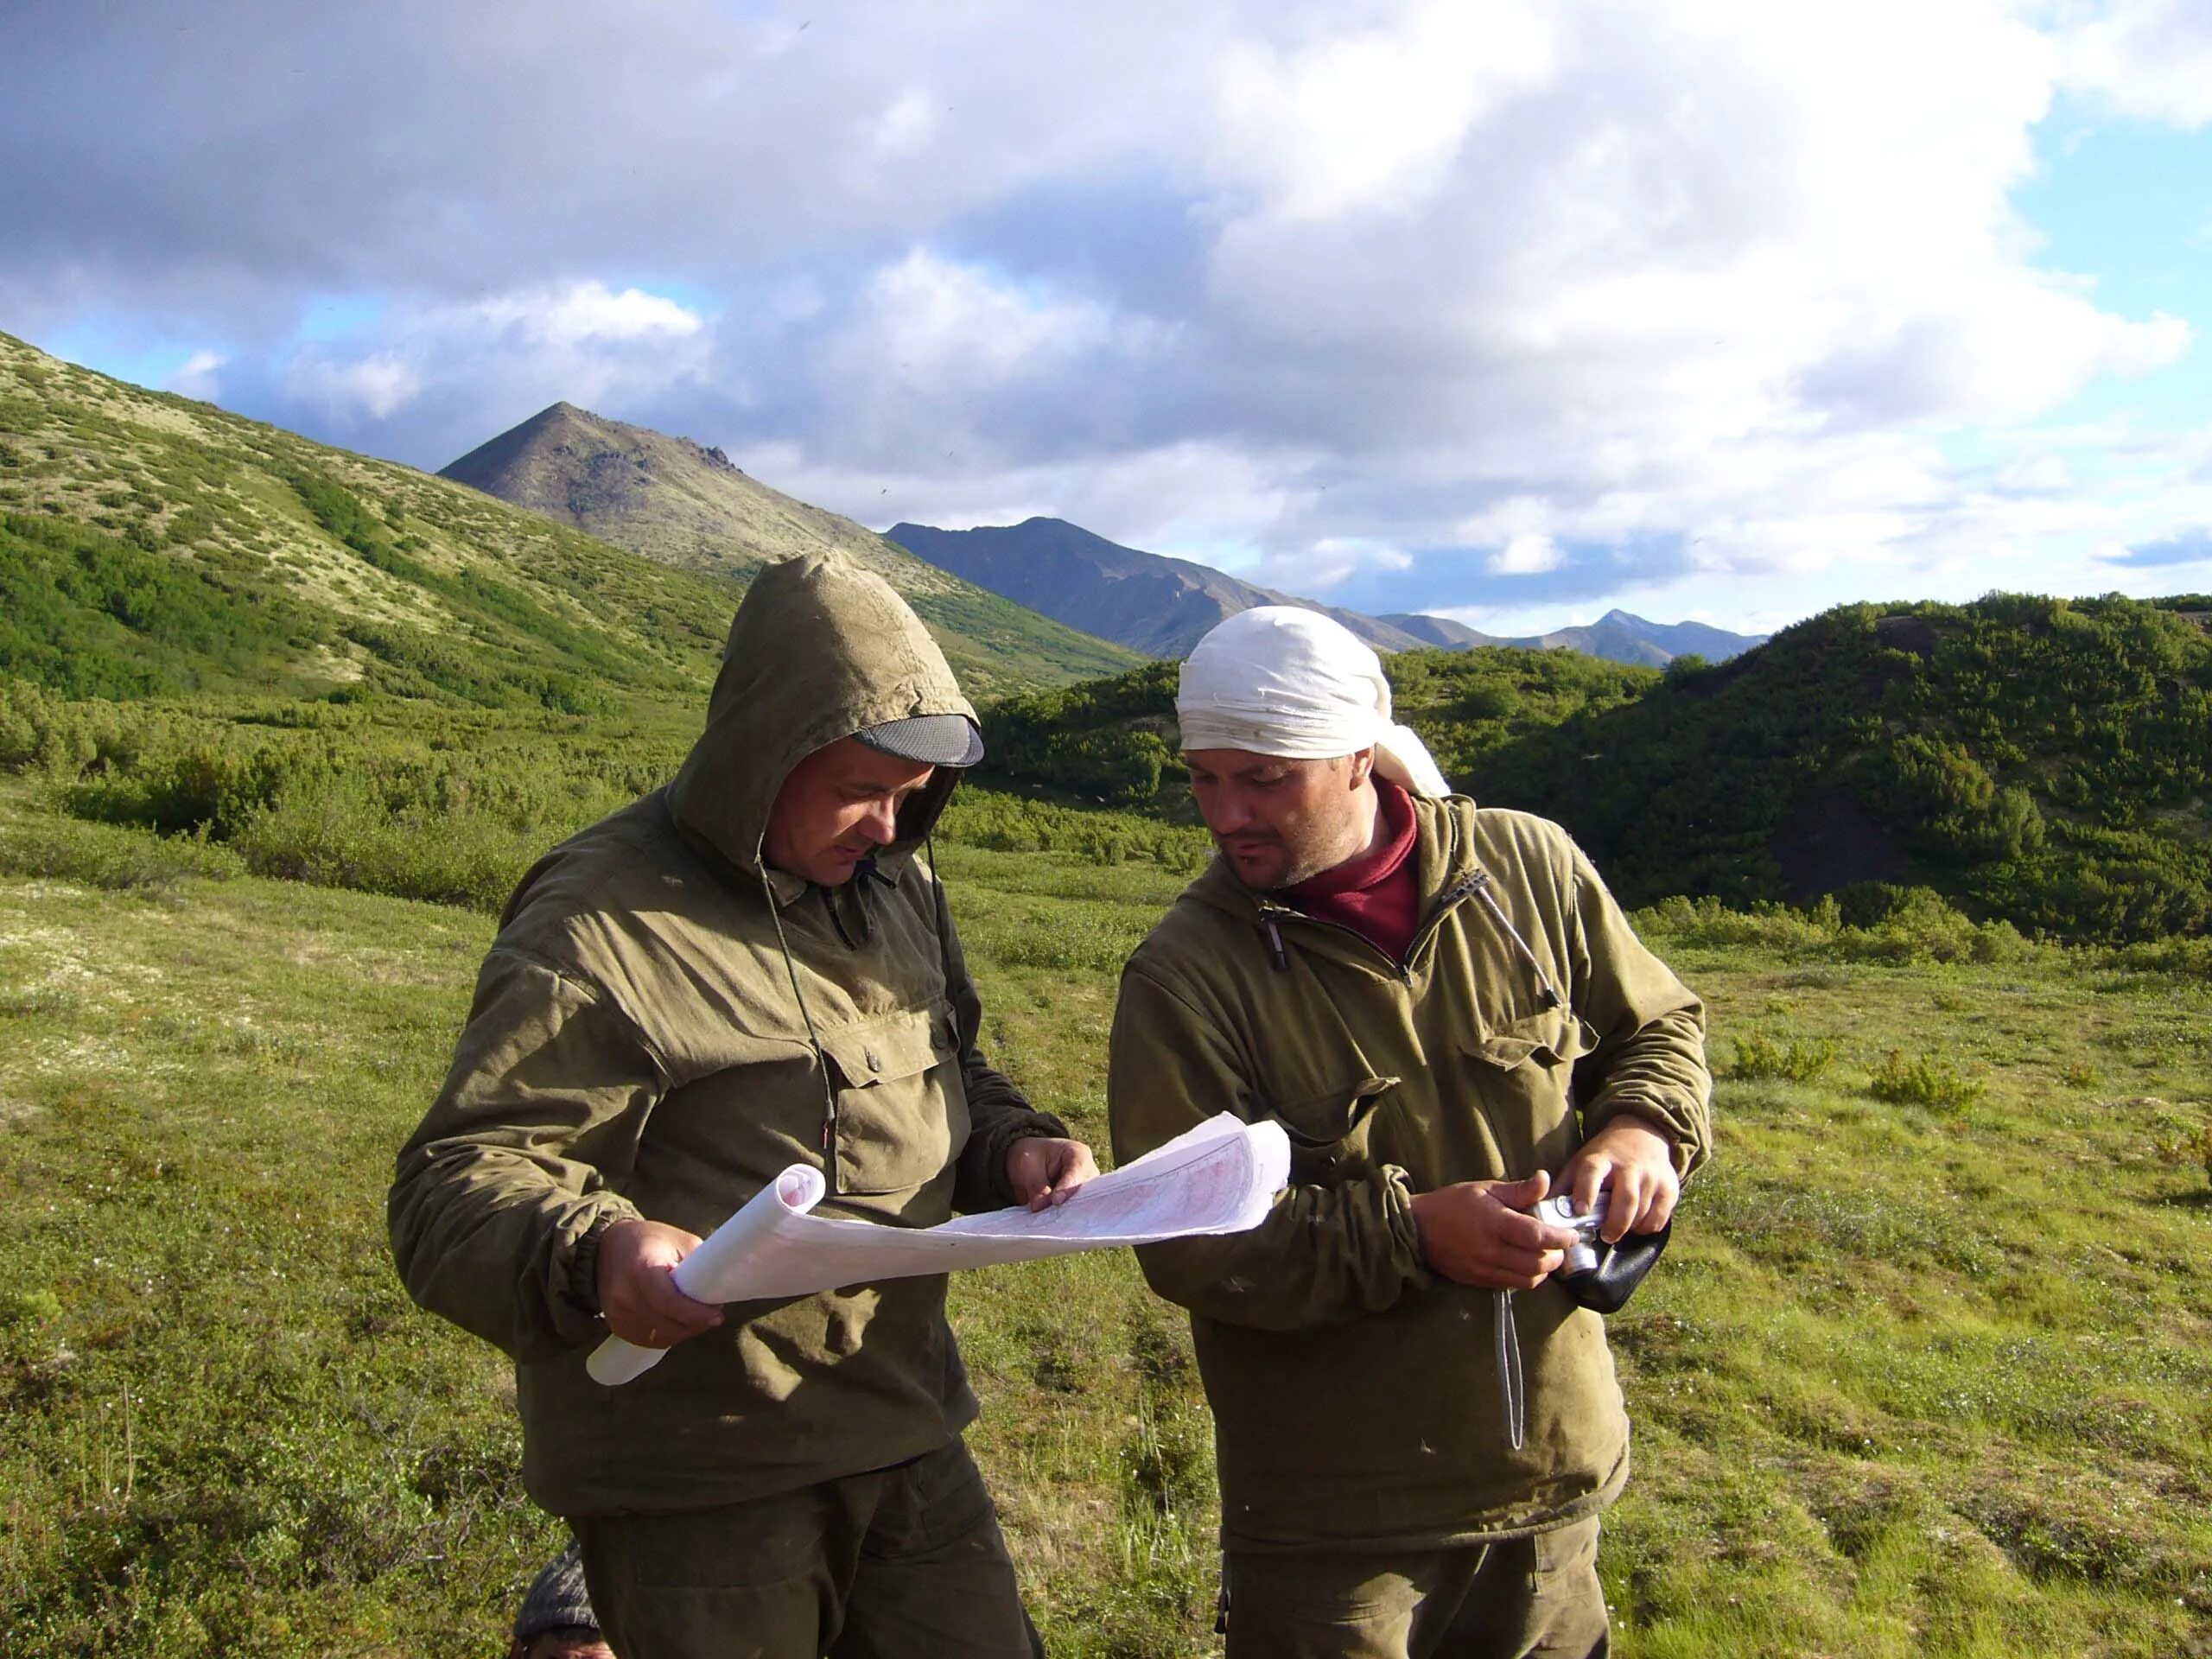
[(1356, 1396), (662, 1025)]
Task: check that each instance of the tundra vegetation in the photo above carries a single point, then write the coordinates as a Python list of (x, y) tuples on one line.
[(1926, 1372), (2041, 762)]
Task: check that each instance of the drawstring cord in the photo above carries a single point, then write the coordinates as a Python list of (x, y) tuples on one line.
[(944, 937), (1511, 1384), (1508, 1371), (821, 1060), (791, 970), (1481, 883)]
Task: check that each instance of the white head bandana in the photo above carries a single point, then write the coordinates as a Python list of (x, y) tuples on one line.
[(1279, 680)]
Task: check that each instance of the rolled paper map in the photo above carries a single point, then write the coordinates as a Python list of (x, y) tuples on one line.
[(1221, 1176), (795, 1191)]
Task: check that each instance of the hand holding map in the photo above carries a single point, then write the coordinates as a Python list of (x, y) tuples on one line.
[(1220, 1177)]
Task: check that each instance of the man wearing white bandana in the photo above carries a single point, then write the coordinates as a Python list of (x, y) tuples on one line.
[(1417, 1423)]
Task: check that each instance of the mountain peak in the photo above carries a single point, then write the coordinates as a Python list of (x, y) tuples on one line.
[(684, 503)]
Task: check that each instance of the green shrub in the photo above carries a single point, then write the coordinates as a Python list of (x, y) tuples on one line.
[(334, 832), (102, 856), (2182, 1142), (1924, 1080), (1759, 1057), (28, 1307)]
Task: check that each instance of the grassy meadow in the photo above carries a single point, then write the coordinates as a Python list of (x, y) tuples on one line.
[(1928, 1371)]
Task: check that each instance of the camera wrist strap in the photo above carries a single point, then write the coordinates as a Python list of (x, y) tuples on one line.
[(1509, 1388)]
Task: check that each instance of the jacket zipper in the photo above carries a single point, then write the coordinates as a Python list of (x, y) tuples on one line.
[(1272, 914), (1479, 886)]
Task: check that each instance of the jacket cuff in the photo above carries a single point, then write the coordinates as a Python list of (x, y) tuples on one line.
[(580, 1283), (983, 1174), (1405, 1236)]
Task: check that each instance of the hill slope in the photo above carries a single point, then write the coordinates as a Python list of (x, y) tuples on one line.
[(683, 505), (1145, 601), (151, 544), (1165, 606), (1114, 739), (2043, 761)]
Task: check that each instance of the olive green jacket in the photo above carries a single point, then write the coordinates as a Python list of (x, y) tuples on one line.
[(1356, 1396), (662, 1025)]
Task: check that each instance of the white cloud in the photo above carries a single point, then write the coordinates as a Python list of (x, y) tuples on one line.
[(928, 317), (1371, 117), (376, 386), (455, 374), (1327, 563), (1669, 297), (565, 317), (1526, 554), (196, 376), (2148, 58), (907, 124)]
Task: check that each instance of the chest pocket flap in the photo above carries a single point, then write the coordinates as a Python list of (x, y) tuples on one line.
[(902, 1112), (1548, 1038)]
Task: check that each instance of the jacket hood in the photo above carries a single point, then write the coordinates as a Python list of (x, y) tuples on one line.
[(818, 649)]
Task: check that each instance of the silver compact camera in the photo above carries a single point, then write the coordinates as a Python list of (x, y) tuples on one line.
[(1558, 1211)]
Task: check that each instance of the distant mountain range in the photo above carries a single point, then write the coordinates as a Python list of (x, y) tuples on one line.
[(679, 503), (1079, 606), (1163, 605), (151, 544), (1145, 600)]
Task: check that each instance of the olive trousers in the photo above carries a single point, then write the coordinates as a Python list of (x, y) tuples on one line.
[(898, 1562), (1534, 1598)]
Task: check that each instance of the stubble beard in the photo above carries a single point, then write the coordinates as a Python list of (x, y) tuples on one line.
[(1301, 860)]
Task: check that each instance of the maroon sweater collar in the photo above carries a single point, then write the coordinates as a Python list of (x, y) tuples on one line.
[(1396, 809)]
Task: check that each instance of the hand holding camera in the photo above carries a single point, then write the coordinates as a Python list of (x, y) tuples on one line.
[(1598, 1275), (1559, 1210)]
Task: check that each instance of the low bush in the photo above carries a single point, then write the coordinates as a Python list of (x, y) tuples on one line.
[(336, 832), (2189, 1144), (1924, 1080), (1758, 1056), (103, 855), (1908, 925)]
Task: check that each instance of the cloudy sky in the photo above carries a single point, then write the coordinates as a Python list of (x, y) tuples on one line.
[(1715, 308)]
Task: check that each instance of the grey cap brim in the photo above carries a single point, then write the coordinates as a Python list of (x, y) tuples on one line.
[(928, 740)]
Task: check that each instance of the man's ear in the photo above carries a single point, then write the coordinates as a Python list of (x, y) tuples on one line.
[(1362, 767)]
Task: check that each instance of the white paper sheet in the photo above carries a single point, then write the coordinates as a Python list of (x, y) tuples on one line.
[(1220, 1177)]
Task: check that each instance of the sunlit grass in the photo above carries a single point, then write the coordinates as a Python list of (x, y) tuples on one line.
[(1914, 1378)]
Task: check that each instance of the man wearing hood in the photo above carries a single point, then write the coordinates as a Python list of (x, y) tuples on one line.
[(1416, 1423), (745, 970)]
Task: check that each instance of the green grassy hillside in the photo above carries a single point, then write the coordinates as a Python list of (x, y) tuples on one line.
[(1927, 1372), (2046, 761), (153, 545), (2043, 760), (1115, 740)]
